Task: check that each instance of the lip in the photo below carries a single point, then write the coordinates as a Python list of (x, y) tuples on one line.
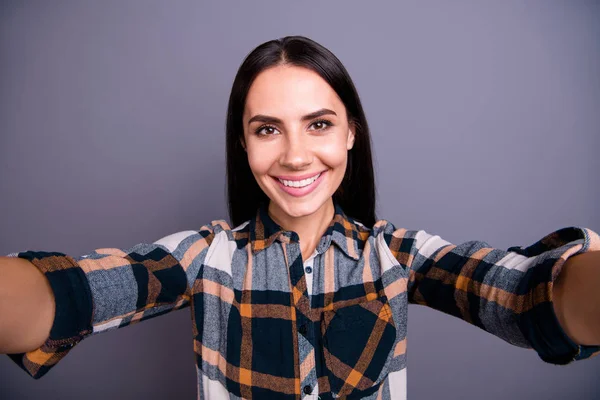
[(299, 192), (297, 177)]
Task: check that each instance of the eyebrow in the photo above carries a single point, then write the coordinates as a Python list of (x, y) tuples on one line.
[(273, 120)]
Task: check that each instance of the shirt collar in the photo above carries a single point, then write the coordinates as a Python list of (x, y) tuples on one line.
[(343, 231)]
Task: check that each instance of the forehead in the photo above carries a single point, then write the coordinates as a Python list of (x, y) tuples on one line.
[(288, 91)]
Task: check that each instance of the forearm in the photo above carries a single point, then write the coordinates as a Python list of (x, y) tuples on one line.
[(26, 306), (576, 295)]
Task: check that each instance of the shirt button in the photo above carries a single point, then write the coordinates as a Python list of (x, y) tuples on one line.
[(307, 389), (308, 270), (302, 329)]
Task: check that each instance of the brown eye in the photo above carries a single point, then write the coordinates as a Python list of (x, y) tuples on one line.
[(266, 130), (321, 125)]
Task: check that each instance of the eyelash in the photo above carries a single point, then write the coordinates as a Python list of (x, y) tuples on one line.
[(325, 122)]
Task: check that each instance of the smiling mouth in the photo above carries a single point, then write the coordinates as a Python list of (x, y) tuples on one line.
[(299, 184)]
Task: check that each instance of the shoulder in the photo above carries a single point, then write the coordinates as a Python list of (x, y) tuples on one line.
[(381, 230), (402, 242), (219, 231), (212, 245), (388, 231), (204, 237)]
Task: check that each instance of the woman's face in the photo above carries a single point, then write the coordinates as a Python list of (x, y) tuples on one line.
[(297, 137)]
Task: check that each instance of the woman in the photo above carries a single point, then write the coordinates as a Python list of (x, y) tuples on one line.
[(307, 297)]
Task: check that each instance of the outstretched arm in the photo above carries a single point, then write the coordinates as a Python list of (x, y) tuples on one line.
[(510, 293), (576, 295), (49, 301)]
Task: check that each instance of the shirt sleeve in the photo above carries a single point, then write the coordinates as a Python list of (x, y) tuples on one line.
[(505, 292), (112, 288)]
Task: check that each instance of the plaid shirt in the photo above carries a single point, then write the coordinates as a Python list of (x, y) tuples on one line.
[(268, 325)]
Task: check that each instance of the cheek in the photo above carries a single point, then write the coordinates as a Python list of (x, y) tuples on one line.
[(334, 155), (259, 160)]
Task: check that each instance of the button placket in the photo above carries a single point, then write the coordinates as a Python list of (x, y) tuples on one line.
[(297, 269)]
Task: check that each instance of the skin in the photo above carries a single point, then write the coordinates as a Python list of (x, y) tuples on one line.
[(297, 146), (26, 306), (576, 298)]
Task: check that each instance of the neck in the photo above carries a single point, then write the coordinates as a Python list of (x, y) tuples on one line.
[(310, 228)]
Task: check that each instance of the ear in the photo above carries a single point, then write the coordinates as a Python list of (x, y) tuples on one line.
[(243, 143), (351, 136)]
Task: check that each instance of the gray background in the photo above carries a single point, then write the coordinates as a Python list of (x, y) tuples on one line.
[(485, 122)]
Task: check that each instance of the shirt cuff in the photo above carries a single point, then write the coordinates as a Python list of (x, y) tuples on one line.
[(73, 313), (540, 324)]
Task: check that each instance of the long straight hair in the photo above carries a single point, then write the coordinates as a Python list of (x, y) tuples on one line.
[(356, 194)]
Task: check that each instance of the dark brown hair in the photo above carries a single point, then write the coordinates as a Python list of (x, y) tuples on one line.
[(356, 194)]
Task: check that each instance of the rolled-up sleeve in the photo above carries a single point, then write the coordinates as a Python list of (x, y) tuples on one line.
[(73, 313), (507, 293), (112, 288)]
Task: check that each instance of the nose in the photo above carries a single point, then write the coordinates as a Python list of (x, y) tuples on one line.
[(296, 154)]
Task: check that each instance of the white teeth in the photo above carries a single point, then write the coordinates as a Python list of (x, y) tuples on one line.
[(299, 184)]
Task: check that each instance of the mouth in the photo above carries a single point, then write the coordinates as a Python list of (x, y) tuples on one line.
[(299, 183), (299, 186)]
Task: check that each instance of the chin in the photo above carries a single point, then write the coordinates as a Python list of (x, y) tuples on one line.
[(301, 208)]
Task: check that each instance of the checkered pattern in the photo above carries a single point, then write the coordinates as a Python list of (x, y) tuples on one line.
[(261, 331)]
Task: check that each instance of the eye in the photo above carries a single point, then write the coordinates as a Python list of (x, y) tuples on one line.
[(321, 125), (267, 130)]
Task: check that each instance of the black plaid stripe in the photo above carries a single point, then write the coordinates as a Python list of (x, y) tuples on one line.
[(357, 342)]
